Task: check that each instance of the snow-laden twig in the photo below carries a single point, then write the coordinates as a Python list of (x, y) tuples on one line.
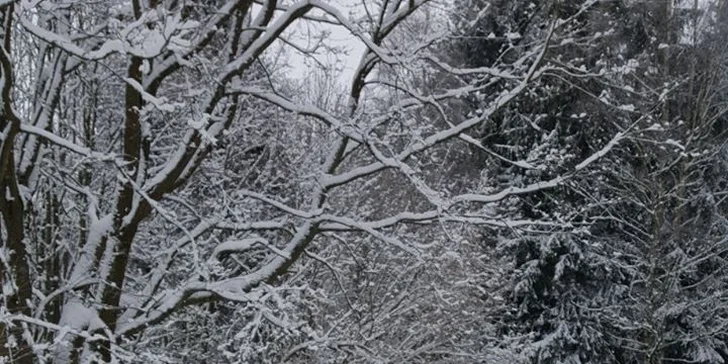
[(84, 151)]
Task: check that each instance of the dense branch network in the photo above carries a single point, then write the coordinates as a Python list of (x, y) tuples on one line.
[(124, 168)]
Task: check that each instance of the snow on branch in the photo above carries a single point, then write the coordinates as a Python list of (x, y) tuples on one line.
[(84, 151), (243, 245)]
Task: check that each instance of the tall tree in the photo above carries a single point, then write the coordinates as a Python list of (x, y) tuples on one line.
[(577, 296)]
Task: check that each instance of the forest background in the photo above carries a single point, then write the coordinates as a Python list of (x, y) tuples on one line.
[(493, 181)]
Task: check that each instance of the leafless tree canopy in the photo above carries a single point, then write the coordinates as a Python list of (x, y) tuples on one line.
[(506, 181)]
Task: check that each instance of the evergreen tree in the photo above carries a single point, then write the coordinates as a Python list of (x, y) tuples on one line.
[(576, 295)]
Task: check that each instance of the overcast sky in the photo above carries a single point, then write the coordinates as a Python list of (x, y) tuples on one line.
[(346, 61)]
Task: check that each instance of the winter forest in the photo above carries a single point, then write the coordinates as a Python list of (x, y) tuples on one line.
[(364, 181)]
